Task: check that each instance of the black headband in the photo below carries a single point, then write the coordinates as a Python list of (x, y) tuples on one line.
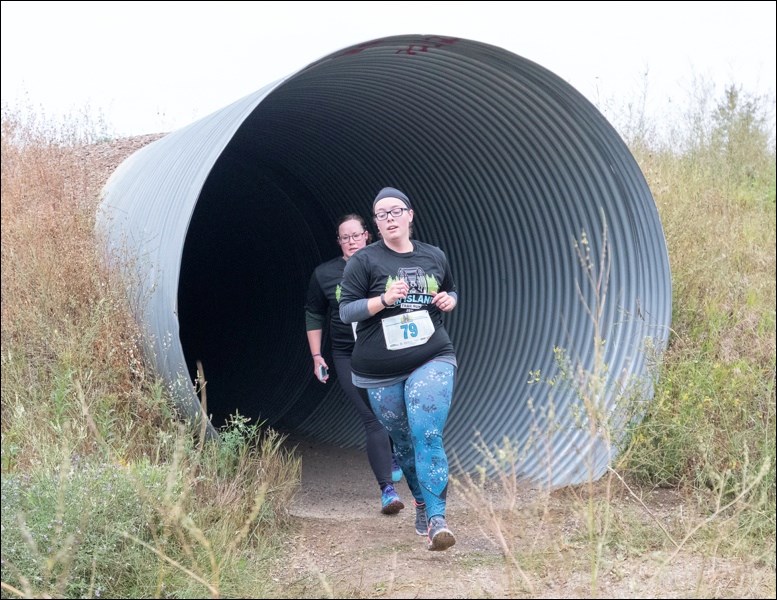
[(390, 192)]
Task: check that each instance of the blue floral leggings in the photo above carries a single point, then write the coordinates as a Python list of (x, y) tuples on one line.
[(414, 412)]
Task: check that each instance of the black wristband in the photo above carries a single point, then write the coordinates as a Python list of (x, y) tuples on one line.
[(383, 301)]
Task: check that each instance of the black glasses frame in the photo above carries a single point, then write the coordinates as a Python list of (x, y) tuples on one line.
[(347, 238), (394, 212)]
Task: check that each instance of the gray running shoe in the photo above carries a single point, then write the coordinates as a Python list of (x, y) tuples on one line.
[(421, 526), (440, 537)]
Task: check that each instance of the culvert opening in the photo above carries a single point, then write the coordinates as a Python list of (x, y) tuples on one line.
[(508, 167)]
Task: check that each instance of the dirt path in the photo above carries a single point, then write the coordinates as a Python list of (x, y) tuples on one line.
[(344, 548)]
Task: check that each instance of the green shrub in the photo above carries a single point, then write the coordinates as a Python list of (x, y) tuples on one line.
[(64, 536)]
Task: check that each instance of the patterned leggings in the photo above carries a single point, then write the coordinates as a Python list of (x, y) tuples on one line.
[(414, 412)]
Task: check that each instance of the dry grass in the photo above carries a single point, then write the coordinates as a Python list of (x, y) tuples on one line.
[(62, 319)]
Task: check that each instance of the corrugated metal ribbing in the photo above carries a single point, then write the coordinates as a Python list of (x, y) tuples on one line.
[(507, 166)]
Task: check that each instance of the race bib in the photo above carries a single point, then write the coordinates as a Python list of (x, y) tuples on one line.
[(408, 329)]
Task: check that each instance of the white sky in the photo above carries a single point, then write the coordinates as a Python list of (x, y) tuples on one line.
[(148, 67)]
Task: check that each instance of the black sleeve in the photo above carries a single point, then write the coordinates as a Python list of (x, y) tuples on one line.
[(316, 302), (448, 284)]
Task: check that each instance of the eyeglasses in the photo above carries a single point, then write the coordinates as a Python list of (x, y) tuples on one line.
[(356, 237), (394, 212)]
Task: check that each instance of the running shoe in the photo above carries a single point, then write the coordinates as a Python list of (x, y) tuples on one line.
[(396, 470), (440, 537), (421, 526), (391, 504)]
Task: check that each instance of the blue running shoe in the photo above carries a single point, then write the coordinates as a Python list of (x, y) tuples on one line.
[(396, 470), (391, 504), (440, 537)]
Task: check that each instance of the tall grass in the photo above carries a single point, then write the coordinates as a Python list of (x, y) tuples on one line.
[(62, 320), (712, 424), (104, 492)]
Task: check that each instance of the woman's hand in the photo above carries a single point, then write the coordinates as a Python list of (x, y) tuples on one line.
[(444, 302), (397, 291), (318, 361)]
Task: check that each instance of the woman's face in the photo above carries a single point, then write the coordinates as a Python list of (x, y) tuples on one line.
[(352, 237), (393, 228)]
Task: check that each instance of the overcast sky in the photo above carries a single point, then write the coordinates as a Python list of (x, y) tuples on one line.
[(150, 67)]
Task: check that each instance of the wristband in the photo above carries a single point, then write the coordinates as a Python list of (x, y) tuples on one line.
[(315, 355), (383, 301)]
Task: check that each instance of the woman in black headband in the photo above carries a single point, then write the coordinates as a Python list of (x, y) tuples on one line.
[(398, 289)]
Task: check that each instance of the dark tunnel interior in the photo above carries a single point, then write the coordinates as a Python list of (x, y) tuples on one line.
[(244, 273)]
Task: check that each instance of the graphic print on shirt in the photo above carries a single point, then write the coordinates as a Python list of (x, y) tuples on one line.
[(421, 287)]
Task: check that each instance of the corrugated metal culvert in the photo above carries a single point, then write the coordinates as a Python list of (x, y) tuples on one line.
[(512, 172)]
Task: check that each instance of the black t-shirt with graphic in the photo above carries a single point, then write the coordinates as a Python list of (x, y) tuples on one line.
[(369, 273), (324, 299)]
